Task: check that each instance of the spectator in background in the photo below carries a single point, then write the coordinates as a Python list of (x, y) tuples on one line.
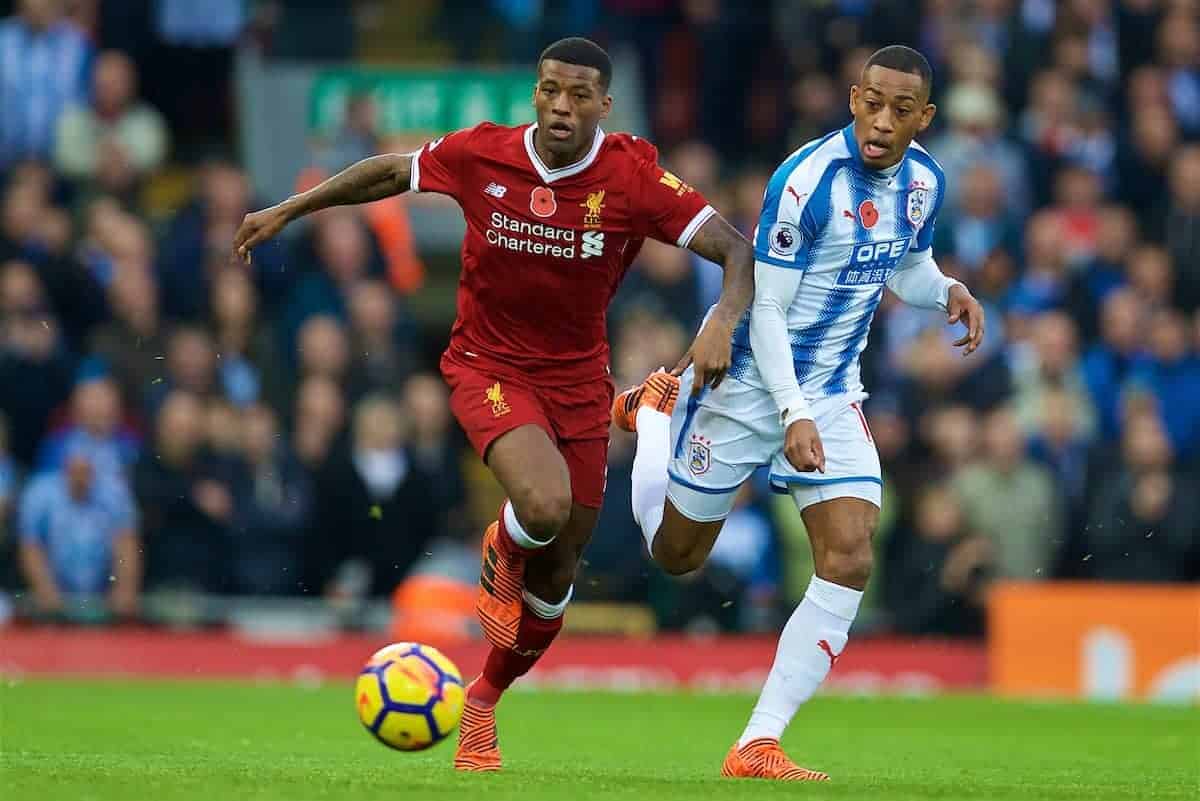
[(1179, 53), (1077, 195), (1108, 364), (937, 573), (78, 531), (323, 350), (198, 238), (191, 366), (35, 370), (1171, 375), (343, 256), (434, 449), (981, 224), (1150, 275), (113, 241), (373, 508), (950, 434), (223, 433), (44, 64), (1116, 236), (95, 427), (68, 288), (384, 342), (320, 412), (249, 366), (931, 373), (1062, 444), (1182, 224), (1011, 501), (975, 137), (1143, 520), (1046, 278), (1145, 162), (132, 344), (272, 510), (663, 283), (116, 140), (1048, 128), (698, 163), (1050, 363), (187, 501), (356, 139), (817, 103)]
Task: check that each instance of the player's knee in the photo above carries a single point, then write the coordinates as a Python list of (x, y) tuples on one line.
[(850, 566), (543, 513), (677, 557)]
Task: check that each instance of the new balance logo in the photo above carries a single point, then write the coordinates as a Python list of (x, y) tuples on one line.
[(495, 190)]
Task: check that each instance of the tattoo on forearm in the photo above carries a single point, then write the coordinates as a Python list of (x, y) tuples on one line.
[(370, 179)]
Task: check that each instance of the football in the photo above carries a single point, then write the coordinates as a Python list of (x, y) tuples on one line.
[(409, 696)]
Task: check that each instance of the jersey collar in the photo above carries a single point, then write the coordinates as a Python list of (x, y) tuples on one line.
[(548, 175), (852, 146)]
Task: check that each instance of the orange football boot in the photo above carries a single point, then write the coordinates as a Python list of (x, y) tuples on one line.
[(764, 759), (659, 391), (501, 580), (478, 749)]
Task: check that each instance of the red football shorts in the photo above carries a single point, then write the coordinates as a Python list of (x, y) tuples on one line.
[(575, 417)]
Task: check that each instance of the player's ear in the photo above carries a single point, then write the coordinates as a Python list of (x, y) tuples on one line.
[(927, 115), (605, 106), (853, 99)]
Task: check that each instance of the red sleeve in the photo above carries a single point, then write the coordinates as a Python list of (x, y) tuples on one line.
[(438, 165), (667, 209)]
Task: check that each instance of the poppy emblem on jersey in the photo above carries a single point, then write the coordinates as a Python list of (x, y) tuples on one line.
[(542, 202), (868, 215), (594, 205), (785, 238), (917, 200), (495, 396), (699, 455)]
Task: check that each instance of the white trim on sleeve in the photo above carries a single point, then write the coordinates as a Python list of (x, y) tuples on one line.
[(414, 171), (700, 219)]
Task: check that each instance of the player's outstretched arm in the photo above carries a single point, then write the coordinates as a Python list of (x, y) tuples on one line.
[(720, 242), (370, 179)]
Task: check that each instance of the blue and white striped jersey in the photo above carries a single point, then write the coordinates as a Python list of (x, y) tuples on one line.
[(850, 229)]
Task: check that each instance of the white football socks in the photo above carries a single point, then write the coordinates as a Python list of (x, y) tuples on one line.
[(811, 642), (517, 532), (650, 471)]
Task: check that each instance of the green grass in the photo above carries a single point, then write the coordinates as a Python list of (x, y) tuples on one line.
[(113, 740)]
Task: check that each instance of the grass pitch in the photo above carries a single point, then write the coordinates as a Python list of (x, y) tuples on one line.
[(109, 740)]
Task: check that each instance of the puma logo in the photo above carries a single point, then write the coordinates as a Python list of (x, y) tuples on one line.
[(833, 658)]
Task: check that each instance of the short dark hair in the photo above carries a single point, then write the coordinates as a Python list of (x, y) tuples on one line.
[(903, 59), (583, 53)]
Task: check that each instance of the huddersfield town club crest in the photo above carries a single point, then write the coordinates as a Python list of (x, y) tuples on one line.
[(699, 455), (918, 197)]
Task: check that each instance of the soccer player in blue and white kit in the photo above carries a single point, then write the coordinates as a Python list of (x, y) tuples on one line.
[(843, 218)]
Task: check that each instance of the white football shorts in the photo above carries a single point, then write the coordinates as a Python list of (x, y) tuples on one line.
[(722, 436)]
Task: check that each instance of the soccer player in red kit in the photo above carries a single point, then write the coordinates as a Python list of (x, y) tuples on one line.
[(556, 212)]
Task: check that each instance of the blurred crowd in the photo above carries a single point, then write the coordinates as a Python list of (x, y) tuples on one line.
[(176, 421)]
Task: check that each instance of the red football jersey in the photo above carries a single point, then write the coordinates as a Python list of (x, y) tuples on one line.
[(546, 249)]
